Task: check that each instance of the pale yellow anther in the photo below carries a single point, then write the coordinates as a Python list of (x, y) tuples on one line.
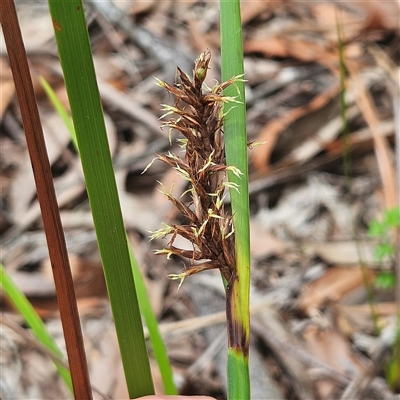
[(169, 253), (232, 185), (162, 232), (209, 162), (159, 82), (212, 215), (181, 276), (236, 171), (149, 164)]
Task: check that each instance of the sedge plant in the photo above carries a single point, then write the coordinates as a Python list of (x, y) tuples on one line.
[(212, 122), (211, 155)]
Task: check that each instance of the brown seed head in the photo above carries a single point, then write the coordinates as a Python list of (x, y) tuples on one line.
[(208, 227)]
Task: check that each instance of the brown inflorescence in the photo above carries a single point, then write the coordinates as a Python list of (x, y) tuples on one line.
[(207, 225)]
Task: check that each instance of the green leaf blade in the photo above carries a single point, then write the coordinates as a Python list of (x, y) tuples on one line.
[(77, 63), (236, 155)]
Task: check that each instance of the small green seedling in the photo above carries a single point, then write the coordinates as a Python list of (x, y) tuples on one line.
[(385, 249), (387, 279)]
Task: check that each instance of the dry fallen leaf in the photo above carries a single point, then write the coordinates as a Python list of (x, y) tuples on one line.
[(332, 286)]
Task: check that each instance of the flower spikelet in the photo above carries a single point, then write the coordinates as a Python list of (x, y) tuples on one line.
[(199, 118)]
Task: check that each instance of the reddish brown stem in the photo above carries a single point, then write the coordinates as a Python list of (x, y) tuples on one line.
[(47, 200)]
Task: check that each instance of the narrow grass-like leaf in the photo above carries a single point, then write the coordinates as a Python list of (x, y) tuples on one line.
[(62, 112), (236, 155), (33, 320), (77, 63)]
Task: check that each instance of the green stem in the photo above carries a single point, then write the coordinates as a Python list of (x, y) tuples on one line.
[(236, 154)]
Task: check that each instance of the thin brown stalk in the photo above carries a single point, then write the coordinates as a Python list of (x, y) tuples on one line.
[(47, 200)]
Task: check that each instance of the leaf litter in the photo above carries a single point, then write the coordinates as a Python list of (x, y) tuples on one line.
[(313, 334)]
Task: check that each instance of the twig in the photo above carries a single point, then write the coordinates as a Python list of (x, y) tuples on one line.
[(197, 323)]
